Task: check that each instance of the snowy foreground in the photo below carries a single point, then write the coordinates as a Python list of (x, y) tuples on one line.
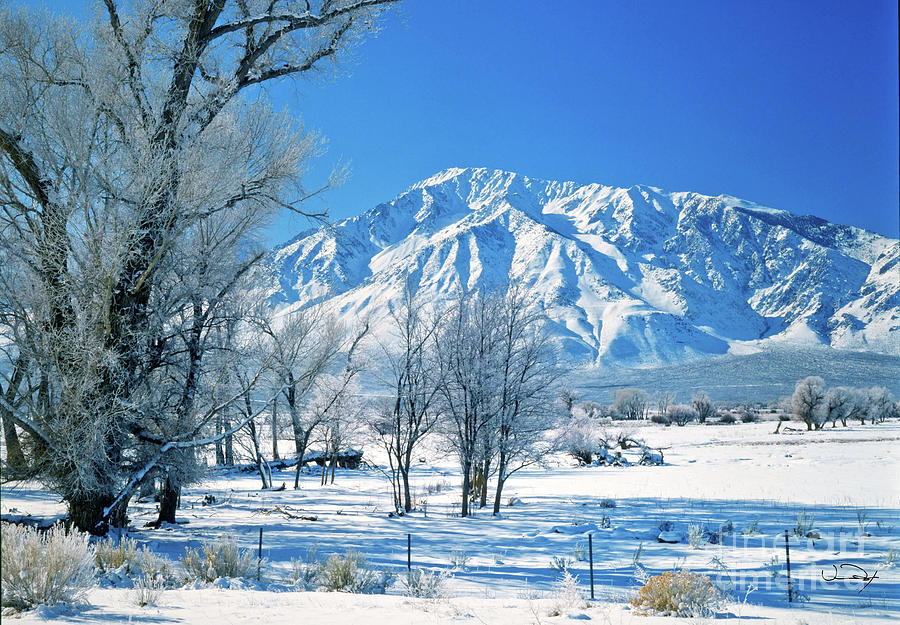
[(845, 481)]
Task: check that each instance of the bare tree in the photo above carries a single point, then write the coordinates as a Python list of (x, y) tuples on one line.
[(631, 403), (410, 415), (466, 346), (663, 401), (305, 345), (108, 145), (527, 376), (497, 386), (340, 415), (701, 403)]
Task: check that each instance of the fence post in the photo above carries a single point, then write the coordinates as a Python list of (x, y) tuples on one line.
[(409, 552), (259, 555), (591, 558), (787, 556)]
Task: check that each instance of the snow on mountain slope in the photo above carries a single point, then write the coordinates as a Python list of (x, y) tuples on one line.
[(634, 276)]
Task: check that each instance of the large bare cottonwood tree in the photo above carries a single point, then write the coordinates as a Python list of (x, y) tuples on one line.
[(125, 149)]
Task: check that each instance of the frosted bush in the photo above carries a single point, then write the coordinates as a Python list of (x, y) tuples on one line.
[(305, 573), (153, 566), (458, 559), (110, 555), (681, 414), (695, 536), (147, 591), (804, 525), (567, 595), (581, 551), (44, 568), (223, 559), (134, 561), (560, 563), (349, 573), (679, 593), (427, 584)]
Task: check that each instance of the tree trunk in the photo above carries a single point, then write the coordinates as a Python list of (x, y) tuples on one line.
[(168, 500), (467, 476), (301, 450), (407, 496), (229, 444), (485, 472), (86, 514), (501, 480), (275, 456), (258, 454), (14, 456), (220, 450)]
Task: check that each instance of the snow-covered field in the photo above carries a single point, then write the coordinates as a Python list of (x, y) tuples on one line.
[(844, 479)]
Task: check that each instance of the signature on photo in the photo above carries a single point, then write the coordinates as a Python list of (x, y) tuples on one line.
[(864, 577)]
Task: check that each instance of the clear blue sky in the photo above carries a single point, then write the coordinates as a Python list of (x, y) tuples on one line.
[(790, 104)]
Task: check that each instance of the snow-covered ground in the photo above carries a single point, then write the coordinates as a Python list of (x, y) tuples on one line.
[(845, 479)]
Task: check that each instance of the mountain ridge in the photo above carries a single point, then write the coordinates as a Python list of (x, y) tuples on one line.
[(636, 275)]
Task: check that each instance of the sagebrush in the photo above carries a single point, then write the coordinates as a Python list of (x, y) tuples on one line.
[(350, 573), (44, 568), (680, 593), (223, 559), (305, 573), (110, 555), (132, 560), (427, 584)]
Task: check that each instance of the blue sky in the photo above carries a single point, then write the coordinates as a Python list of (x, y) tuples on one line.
[(790, 104)]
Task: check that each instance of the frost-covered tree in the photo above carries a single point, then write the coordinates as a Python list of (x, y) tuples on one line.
[(663, 401), (681, 414), (590, 409), (631, 403), (496, 387), (304, 345), (881, 404), (466, 350), (527, 377), (581, 437), (110, 138), (838, 405), (410, 413), (807, 401)]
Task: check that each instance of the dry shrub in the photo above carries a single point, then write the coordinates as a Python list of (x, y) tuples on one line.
[(110, 555), (305, 573), (136, 562), (679, 593), (427, 584), (351, 574), (147, 591), (223, 559), (44, 568), (567, 596)]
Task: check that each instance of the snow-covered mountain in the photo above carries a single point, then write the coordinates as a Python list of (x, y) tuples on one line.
[(636, 276)]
